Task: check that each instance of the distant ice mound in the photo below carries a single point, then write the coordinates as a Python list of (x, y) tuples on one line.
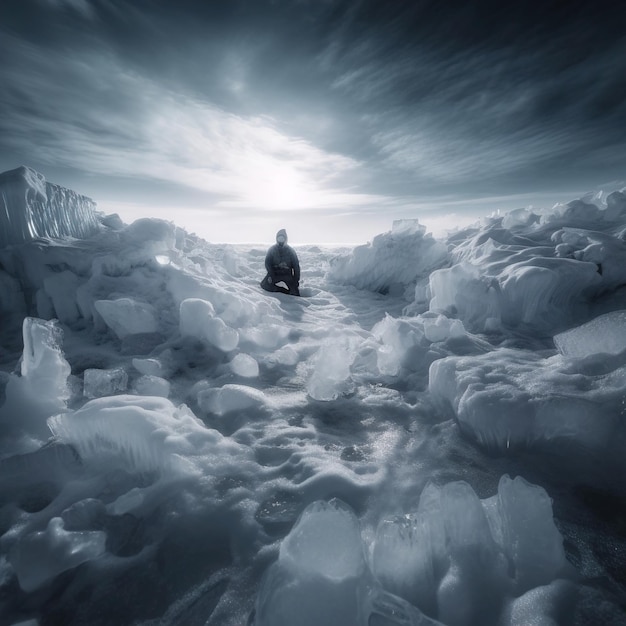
[(392, 260), (514, 399), (31, 207), (533, 272)]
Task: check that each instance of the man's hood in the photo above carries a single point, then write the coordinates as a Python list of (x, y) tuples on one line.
[(282, 232)]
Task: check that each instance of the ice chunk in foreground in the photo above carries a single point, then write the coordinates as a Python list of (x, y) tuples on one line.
[(136, 433), (284, 356), (244, 365), (331, 374), (508, 399), (148, 367), (44, 367), (127, 316), (526, 532), (30, 208), (403, 559), (400, 343), (197, 319), (604, 334), (405, 342), (322, 578), (152, 386), (443, 557), (326, 541), (195, 313), (221, 335), (549, 605), (41, 556), (317, 579), (99, 383), (42, 388), (229, 398)]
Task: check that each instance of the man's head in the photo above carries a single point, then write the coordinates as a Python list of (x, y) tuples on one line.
[(281, 237)]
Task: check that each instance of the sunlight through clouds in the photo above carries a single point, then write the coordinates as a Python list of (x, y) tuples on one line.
[(246, 161), (339, 115), (150, 132)]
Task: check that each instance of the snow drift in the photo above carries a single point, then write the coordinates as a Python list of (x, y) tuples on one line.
[(208, 453)]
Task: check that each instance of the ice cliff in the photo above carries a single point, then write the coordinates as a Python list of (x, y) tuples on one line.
[(31, 207)]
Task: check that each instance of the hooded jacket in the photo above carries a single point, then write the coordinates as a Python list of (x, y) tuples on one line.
[(282, 259)]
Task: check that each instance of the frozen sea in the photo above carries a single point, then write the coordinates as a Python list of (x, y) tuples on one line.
[(433, 434)]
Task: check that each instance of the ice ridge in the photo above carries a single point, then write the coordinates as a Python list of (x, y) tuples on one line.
[(31, 207)]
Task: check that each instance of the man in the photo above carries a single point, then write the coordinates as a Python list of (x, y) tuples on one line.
[(282, 265)]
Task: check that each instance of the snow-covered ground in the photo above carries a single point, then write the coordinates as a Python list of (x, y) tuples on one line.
[(434, 434)]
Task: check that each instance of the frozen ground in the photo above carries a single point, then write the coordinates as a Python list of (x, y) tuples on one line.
[(434, 434)]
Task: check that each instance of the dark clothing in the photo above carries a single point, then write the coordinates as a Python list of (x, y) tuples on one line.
[(293, 288), (282, 264), (282, 259)]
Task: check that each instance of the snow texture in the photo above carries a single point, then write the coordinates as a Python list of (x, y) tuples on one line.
[(198, 319), (391, 260), (137, 434), (208, 453), (603, 334), (127, 316)]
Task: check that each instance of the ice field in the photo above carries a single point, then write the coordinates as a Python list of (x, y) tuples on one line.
[(434, 434)]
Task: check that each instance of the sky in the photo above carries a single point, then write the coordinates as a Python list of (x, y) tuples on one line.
[(330, 118)]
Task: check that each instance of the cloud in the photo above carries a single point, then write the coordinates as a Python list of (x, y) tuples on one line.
[(448, 110), (351, 106), (84, 7), (90, 113), (436, 154)]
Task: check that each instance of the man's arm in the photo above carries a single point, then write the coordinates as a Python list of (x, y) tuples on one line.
[(296, 265), (269, 265), (268, 261)]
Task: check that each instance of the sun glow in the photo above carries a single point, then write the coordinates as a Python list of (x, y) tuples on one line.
[(279, 186)]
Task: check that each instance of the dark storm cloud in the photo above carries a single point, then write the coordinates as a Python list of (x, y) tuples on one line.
[(486, 92), (398, 99), (121, 105)]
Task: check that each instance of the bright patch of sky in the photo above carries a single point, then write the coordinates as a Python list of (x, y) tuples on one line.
[(332, 117)]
